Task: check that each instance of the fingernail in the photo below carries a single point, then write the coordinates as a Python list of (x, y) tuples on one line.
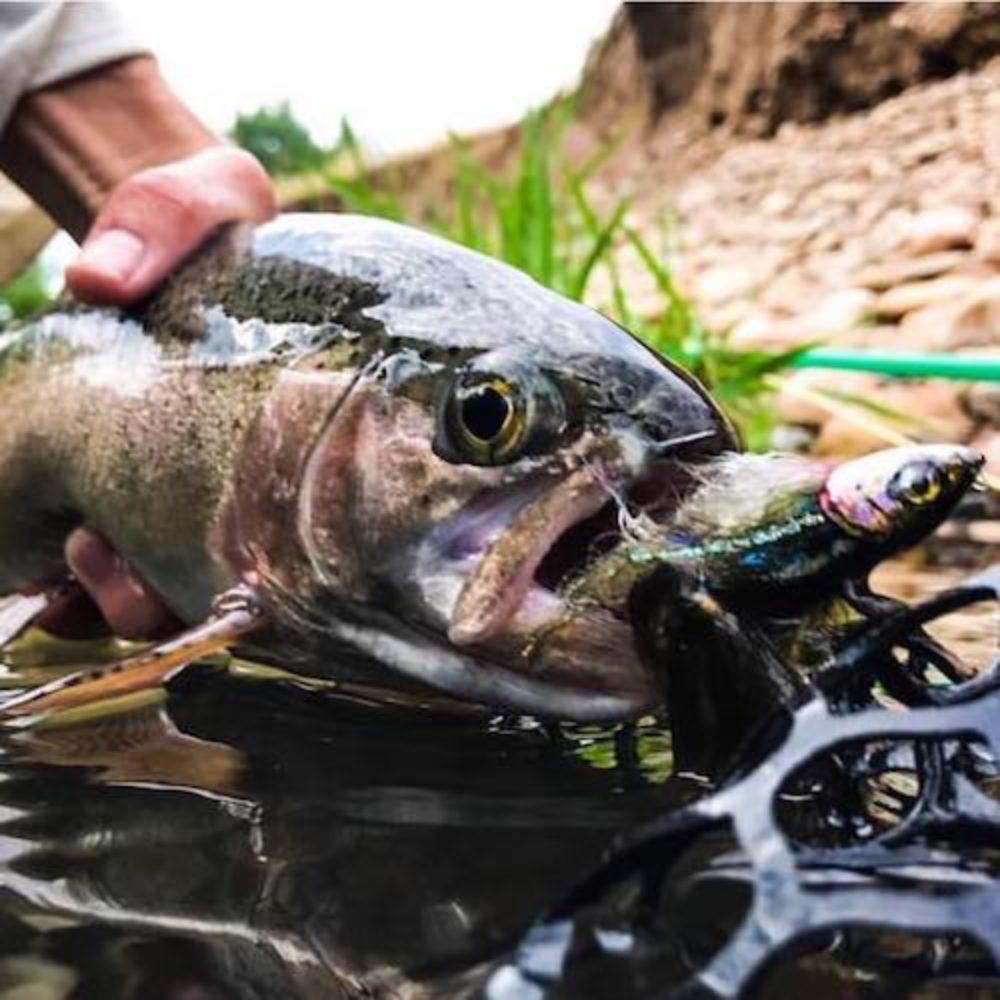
[(115, 253)]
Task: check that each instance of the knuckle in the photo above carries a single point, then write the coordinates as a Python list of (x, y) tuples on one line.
[(160, 190)]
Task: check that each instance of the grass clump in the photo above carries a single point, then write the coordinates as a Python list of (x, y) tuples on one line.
[(24, 295), (279, 140)]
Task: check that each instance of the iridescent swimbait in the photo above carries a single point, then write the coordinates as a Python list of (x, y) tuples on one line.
[(762, 527)]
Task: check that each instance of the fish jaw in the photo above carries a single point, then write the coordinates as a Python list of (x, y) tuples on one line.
[(480, 575), (500, 584)]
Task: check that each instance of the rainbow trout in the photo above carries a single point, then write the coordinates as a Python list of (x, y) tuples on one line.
[(356, 448)]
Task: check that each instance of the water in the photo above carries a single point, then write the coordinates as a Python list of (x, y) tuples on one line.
[(249, 840), (244, 838)]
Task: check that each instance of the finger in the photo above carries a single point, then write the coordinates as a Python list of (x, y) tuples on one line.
[(154, 219), (128, 604)]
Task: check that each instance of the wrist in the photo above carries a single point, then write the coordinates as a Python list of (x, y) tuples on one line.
[(70, 144)]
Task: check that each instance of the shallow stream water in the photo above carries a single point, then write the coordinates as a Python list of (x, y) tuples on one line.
[(246, 838)]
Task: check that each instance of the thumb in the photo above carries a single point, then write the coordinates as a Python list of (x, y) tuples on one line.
[(155, 218)]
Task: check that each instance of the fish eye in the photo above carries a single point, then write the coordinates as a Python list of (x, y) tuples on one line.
[(918, 483), (489, 418), (486, 413)]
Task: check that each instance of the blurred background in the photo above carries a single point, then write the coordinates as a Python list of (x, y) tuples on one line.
[(404, 74)]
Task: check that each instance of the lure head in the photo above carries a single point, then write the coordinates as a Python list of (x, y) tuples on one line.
[(896, 497)]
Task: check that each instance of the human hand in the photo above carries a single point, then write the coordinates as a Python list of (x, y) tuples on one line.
[(156, 217)]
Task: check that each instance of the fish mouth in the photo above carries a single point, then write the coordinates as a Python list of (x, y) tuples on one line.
[(516, 553)]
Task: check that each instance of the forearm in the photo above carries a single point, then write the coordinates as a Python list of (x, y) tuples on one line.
[(69, 144)]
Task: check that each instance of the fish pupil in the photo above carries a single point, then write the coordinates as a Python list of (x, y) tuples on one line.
[(485, 412)]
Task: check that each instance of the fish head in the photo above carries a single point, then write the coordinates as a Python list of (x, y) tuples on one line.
[(893, 498), (489, 440)]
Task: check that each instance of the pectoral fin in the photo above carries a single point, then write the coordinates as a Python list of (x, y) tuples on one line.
[(234, 615)]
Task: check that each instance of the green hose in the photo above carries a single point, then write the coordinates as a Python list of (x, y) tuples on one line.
[(904, 364)]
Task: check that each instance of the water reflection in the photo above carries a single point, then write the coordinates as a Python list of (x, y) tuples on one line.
[(249, 840)]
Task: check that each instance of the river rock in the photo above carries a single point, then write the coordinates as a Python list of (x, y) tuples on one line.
[(929, 410), (838, 312), (988, 240), (914, 295), (841, 438), (968, 321), (723, 283), (909, 269), (941, 228), (931, 328), (791, 292), (981, 401), (800, 399), (988, 442)]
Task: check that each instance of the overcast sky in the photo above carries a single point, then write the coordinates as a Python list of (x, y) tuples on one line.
[(403, 72)]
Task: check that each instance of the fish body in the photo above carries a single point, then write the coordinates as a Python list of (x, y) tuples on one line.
[(383, 435), (767, 528)]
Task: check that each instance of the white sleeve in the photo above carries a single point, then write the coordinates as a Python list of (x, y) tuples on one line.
[(41, 43)]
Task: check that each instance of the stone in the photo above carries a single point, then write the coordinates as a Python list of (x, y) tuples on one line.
[(941, 228), (838, 312), (927, 329), (844, 191), (835, 269), (929, 410), (791, 292), (914, 295), (875, 336), (988, 240), (908, 269), (981, 401), (723, 283), (777, 203), (889, 233), (756, 331), (935, 23), (971, 320), (841, 438), (933, 405)]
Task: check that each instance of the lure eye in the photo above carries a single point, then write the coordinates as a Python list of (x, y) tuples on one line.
[(488, 418), (918, 483)]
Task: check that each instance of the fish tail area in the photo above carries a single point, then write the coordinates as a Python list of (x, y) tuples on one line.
[(234, 614)]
